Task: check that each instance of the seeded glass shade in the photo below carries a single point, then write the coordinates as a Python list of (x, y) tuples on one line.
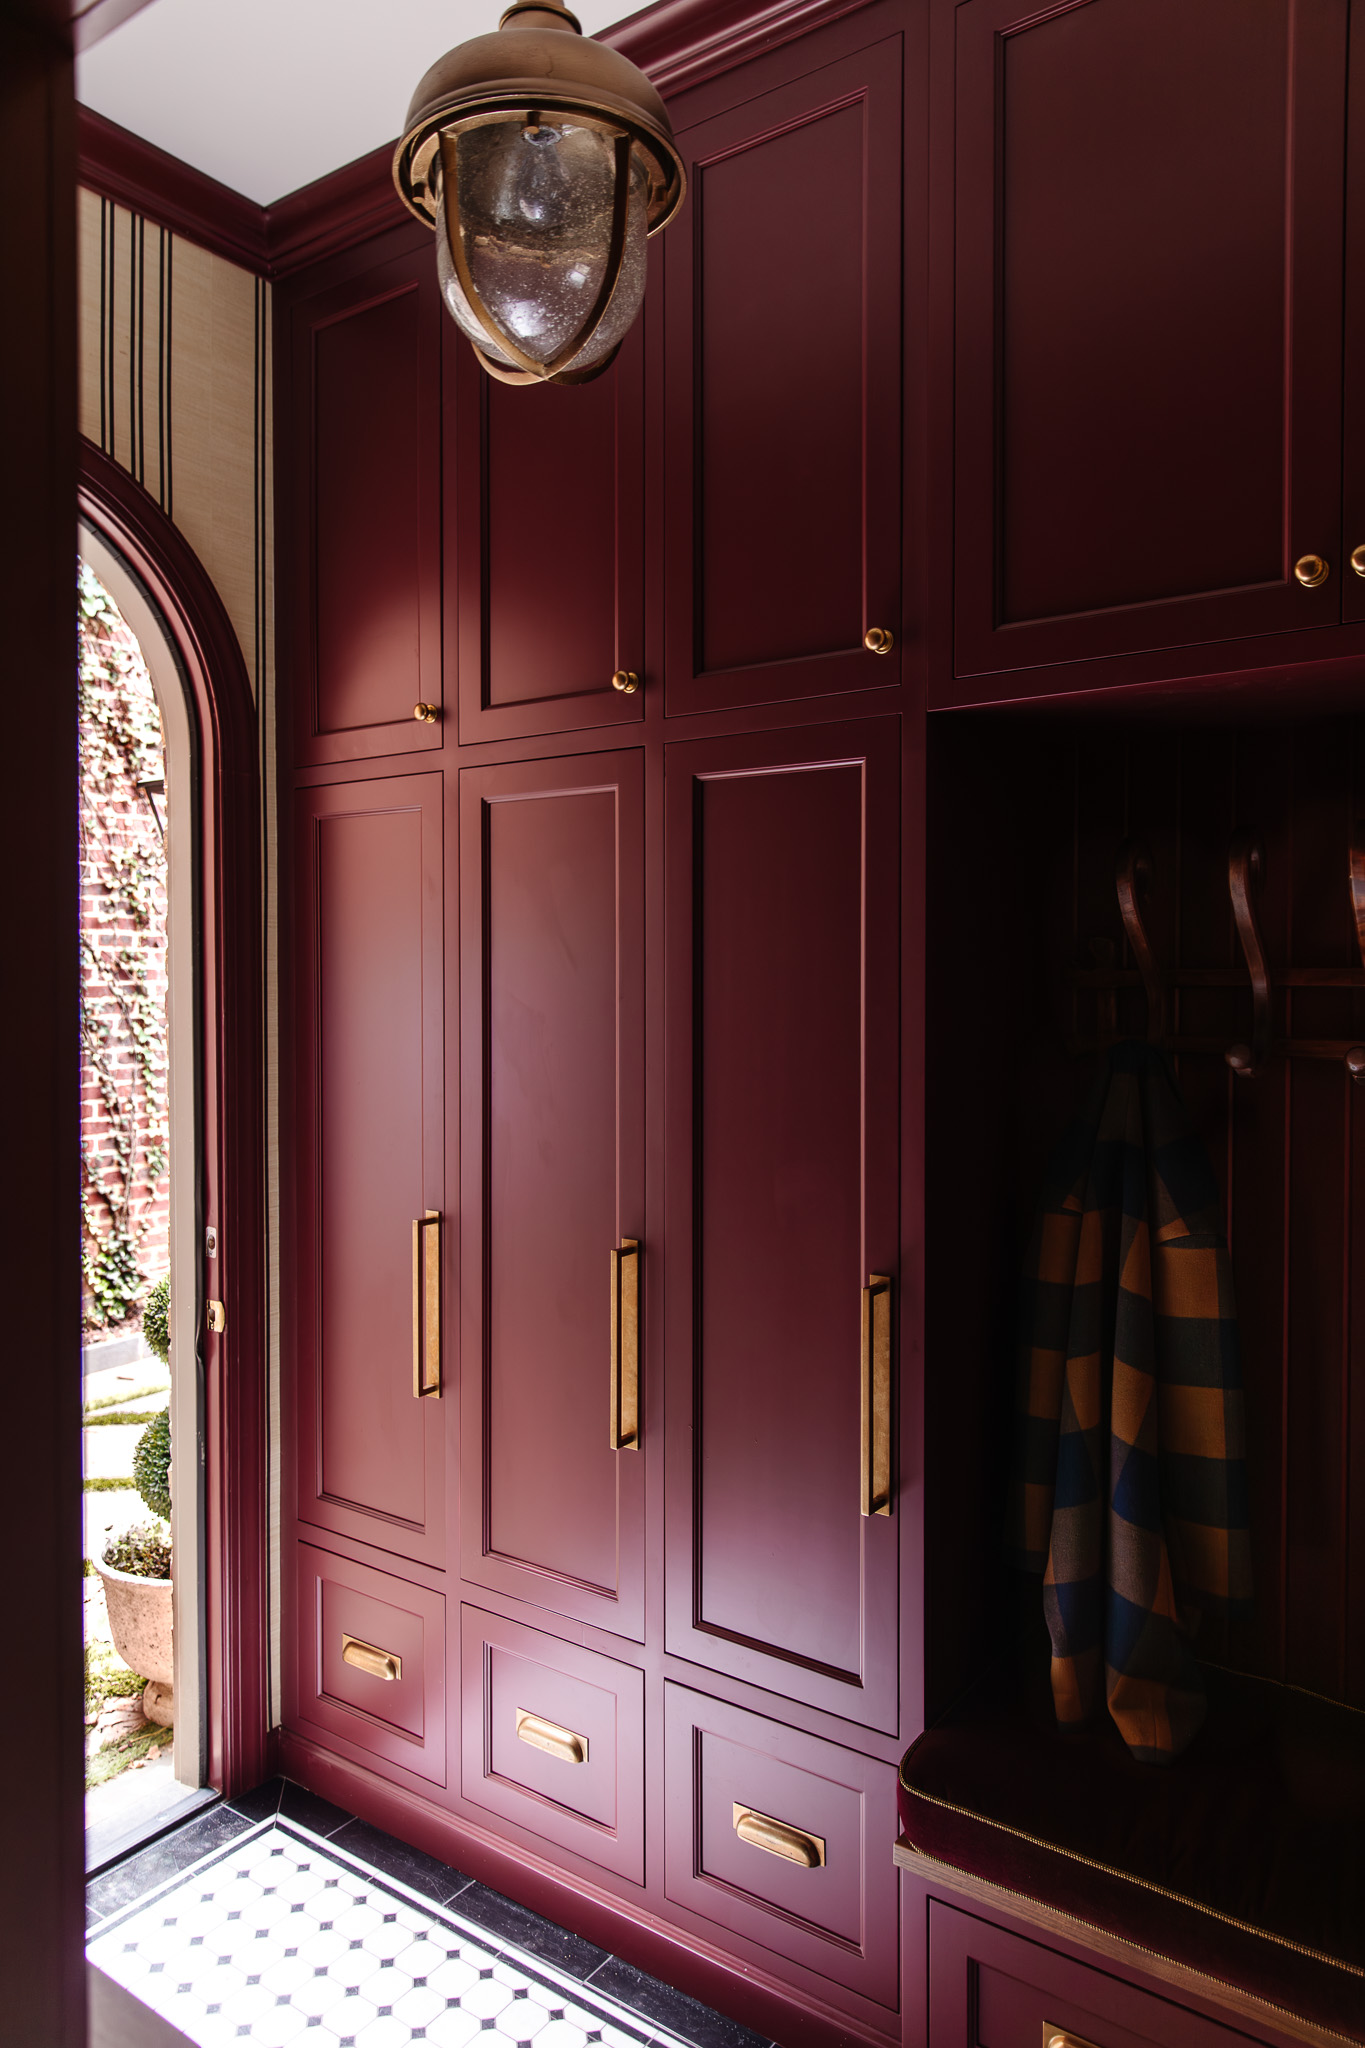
[(543, 160)]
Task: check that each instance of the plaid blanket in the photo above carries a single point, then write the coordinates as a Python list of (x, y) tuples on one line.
[(1129, 1492)]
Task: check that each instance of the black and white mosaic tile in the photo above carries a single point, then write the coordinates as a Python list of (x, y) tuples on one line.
[(281, 1936)]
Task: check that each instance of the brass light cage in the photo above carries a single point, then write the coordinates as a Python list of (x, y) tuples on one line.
[(537, 63)]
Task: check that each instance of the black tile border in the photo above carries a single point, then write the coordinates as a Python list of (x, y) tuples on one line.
[(527, 1934)]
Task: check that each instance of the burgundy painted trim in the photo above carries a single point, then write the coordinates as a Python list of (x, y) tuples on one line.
[(232, 1105), (679, 43)]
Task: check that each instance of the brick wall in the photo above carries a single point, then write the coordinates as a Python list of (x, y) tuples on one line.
[(124, 1180)]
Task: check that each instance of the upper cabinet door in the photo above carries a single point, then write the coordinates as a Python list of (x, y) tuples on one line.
[(552, 1135), (783, 360), (547, 502), (1149, 259), (370, 1165), (364, 603), (781, 1151), (1353, 496)]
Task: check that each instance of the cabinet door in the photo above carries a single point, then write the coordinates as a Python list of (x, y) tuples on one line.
[(1148, 327), (782, 314), (1353, 496), (781, 1156), (370, 1120), (552, 1048), (362, 603), (548, 504)]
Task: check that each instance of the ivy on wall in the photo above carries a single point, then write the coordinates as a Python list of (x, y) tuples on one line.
[(124, 1133)]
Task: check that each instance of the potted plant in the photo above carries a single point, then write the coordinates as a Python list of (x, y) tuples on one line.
[(136, 1567)]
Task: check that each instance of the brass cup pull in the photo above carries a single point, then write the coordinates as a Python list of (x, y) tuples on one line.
[(555, 1741), (793, 1845), (1062, 2037), (426, 1305), (876, 1395), (626, 681), (1312, 570), (879, 639), (1358, 560), (624, 1416), (425, 714), (384, 1664)]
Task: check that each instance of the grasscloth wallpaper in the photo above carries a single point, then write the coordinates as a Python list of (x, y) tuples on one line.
[(175, 372)]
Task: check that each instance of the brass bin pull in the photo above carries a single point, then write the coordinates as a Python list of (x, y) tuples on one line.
[(365, 1657), (876, 1396), (555, 1741), (1062, 2037), (793, 1845), (426, 1305), (624, 1420)]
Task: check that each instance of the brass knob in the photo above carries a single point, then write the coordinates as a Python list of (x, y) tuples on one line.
[(427, 713), (626, 681), (1358, 561), (879, 640), (1312, 570)]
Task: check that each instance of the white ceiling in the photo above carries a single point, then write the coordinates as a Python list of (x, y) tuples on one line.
[(266, 95)]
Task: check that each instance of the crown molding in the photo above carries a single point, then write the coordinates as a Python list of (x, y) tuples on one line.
[(678, 43)]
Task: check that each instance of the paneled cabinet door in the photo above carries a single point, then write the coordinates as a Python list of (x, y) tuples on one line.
[(1148, 322), (781, 1201), (370, 1169), (783, 362), (546, 499), (362, 529), (552, 1174)]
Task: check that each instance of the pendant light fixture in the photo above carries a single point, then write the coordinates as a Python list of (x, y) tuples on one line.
[(543, 159)]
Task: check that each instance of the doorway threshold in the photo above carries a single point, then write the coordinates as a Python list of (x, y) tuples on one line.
[(137, 1808)]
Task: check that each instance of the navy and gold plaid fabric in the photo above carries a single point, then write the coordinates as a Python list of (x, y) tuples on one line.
[(1129, 1490)]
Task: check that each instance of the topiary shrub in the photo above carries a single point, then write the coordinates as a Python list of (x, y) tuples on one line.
[(156, 1320), (144, 1550), (152, 1465)]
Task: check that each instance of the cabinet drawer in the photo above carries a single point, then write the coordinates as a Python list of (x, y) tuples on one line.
[(371, 1661), (553, 1739), (818, 1887), (990, 1989)]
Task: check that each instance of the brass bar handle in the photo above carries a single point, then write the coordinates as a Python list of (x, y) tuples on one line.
[(624, 1418), (426, 1305), (793, 1845), (386, 1664), (876, 1396), (1062, 2037), (555, 1741)]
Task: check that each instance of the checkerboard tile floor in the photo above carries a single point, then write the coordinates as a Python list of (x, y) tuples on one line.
[(282, 1937)]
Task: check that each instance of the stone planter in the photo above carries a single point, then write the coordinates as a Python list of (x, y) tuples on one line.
[(140, 1624)]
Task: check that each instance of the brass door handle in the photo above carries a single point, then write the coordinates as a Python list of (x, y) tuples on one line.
[(426, 1305), (1062, 2037), (426, 714), (555, 1741), (1358, 560), (624, 1421), (876, 1395), (879, 639), (626, 681), (365, 1657), (1312, 570), (793, 1845)]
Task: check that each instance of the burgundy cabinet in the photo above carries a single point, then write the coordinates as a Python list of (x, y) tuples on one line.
[(1148, 324), (552, 1047), (781, 1143), (370, 1066), (547, 490), (782, 376), (1353, 497), (363, 596)]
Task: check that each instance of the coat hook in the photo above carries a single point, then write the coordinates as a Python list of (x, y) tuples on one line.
[(1132, 879), (1246, 863), (1355, 1058)]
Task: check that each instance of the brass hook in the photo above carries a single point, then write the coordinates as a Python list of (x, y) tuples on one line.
[(1246, 862), (1355, 1058), (1132, 879)]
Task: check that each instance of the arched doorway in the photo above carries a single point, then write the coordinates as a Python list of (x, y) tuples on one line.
[(219, 1408)]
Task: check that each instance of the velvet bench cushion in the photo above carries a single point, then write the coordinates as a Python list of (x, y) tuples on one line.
[(1244, 1858)]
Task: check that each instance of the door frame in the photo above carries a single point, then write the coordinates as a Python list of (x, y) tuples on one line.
[(231, 1194)]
